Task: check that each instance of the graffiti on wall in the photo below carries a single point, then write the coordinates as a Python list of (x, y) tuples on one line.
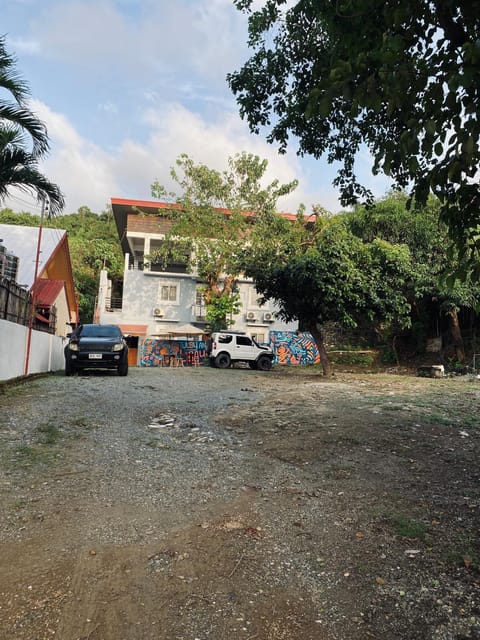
[(156, 352), (294, 348), (289, 347)]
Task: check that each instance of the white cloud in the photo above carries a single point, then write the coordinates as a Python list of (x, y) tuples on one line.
[(89, 175), (23, 45)]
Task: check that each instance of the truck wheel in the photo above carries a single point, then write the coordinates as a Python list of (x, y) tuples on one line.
[(69, 368), (222, 361), (123, 368), (264, 363)]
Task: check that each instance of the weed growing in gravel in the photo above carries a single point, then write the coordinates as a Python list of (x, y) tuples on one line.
[(28, 455), (49, 433), (406, 527), (41, 449), (464, 554)]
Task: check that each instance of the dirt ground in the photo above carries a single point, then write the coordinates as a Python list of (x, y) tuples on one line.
[(198, 504)]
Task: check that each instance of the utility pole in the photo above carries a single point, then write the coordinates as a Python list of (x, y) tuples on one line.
[(34, 292)]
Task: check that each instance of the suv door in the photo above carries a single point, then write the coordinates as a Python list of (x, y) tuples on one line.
[(244, 349)]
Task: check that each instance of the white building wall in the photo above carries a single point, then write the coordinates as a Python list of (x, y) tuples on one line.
[(141, 295), (46, 351)]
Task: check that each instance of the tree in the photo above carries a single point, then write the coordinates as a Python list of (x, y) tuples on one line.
[(318, 271), (23, 139), (432, 287), (401, 77), (210, 224)]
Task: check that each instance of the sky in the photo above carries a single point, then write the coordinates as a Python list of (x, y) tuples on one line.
[(126, 86)]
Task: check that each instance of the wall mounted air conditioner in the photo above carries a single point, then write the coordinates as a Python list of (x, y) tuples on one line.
[(157, 312), (268, 316), (252, 315)]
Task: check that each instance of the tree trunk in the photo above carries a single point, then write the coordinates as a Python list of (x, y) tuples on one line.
[(317, 335), (456, 335)]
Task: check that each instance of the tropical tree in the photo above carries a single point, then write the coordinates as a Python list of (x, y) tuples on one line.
[(210, 222), (401, 77), (318, 271), (432, 289), (23, 139)]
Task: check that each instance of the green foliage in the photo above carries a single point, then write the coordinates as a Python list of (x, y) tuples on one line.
[(220, 311), (7, 216), (318, 271), (323, 272), (209, 225), (407, 527), (430, 285), (400, 77), (23, 138)]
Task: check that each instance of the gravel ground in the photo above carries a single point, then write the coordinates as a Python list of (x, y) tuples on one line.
[(195, 504)]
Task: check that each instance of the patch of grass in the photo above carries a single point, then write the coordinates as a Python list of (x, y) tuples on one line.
[(407, 527), (49, 434), (436, 418), (80, 422), (27, 455), (41, 447), (155, 444), (394, 407), (464, 555)]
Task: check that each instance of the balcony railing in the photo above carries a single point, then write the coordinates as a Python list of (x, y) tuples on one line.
[(138, 264), (113, 304)]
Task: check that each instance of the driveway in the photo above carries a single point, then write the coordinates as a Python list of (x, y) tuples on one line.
[(185, 504)]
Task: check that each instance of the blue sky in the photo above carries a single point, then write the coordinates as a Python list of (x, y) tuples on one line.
[(126, 86)]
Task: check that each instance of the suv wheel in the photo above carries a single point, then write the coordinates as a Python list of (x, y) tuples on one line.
[(69, 368), (264, 363), (123, 368), (222, 361)]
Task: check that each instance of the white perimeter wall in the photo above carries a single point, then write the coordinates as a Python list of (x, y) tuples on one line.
[(46, 351)]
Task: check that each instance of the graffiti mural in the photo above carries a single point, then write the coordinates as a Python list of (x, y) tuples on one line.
[(289, 347), (156, 352), (294, 348)]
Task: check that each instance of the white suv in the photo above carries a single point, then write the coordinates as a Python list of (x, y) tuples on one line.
[(227, 347)]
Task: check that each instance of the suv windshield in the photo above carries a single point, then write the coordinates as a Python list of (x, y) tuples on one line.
[(99, 331)]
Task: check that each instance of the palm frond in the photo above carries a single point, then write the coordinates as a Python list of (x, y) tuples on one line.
[(29, 122)]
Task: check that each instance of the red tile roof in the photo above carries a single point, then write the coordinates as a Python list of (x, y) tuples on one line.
[(47, 291)]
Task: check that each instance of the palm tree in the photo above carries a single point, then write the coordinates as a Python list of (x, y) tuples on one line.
[(23, 139)]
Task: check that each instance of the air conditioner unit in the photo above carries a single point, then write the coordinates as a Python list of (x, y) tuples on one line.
[(268, 316), (157, 312), (252, 315)]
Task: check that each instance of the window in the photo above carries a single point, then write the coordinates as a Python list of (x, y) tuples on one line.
[(224, 339), (253, 298), (244, 341), (200, 308), (168, 293)]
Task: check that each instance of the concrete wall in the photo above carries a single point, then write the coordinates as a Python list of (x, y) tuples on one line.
[(141, 296), (46, 351)]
